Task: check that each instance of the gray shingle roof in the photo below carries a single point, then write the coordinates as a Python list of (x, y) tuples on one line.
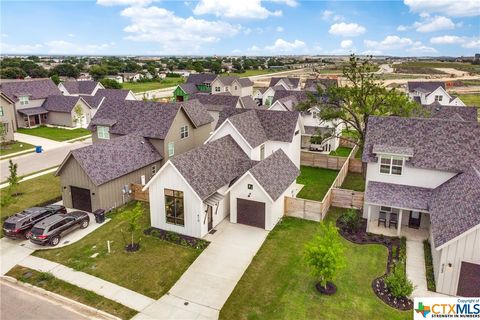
[(245, 82), (449, 112), (227, 80), (248, 102), (199, 78), (101, 94), (437, 144), (32, 111), (292, 82), (455, 206), (197, 113), (323, 83), (397, 195), (34, 88), (189, 88), (213, 165), (275, 173), (298, 94), (219, 100), (63, 104), (80, 87), (424, 86), (108, 160), (380, 148)]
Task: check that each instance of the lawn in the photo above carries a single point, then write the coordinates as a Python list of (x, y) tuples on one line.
[(317, 181), (50, 283), (354, 181), (57, 134), (151, 271), (154, 85), (470, 99), (279, 285), (45, 188), (14, 146), (341, 152)]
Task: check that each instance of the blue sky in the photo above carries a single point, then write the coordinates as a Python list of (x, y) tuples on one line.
[(233, 27)]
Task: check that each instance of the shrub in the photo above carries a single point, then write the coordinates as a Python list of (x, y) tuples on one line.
[(397, 282), (45, 276), (173, 237), (429, 266), (351, 220)]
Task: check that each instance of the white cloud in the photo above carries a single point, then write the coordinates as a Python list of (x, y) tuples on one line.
[(346, 29), (174, 33), (252, 9), (328, 15), (389, 43), (279, 29), (65, 47), (419, 48), (452, 8), (447, 40), (346, 44), (247, 30), (436, 23), (290, 3), (124, 2), (71, 35), (236, 51), (281, 45), (20, 48), (472, 44), (402, 28)]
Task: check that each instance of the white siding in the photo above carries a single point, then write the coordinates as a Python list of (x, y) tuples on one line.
[(246, 91), (130, 96), (218, 215)]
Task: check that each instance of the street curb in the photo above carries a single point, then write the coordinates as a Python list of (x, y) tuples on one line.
[(62, 299), (79, 138), (17, 154)]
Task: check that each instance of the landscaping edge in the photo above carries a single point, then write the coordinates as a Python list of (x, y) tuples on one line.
[(60, 298)]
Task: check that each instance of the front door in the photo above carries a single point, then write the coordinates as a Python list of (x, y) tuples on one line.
[(415, 218), (37, 119), (210, 217)]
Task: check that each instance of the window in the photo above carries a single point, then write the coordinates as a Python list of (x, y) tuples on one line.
[(1, 112), (314, 115), (103, 132), (297, 132), (171, 149), (391, 165), (236, 88), (154, 170), (174, 212), (217, 89), (23, 100), (184, 132), (262, 152), (438, 98), (226, 89)]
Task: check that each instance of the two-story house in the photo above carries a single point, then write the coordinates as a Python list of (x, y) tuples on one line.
[(432, 92), (131, 140), (7, 117), (196, 83), (77, 88), (241, 87), (277, 84), (244, 170), (423, 181)]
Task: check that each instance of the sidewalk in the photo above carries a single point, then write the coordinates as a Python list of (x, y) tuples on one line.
[(46, 144)]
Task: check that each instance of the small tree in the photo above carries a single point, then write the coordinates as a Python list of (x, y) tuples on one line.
[(132, 217), (325, 255), (78, 114), (13, 179), (56, 79), (3, 133)]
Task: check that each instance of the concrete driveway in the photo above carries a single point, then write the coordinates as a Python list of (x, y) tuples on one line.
[(204, 288)]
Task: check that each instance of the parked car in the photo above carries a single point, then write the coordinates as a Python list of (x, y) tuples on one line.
[(19, 224), (52, 229)]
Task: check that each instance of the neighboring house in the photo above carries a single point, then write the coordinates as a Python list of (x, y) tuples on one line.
[(29, 95), (7, 117), (130, 76), (269, 93), (84, 76), (196, 83), (450, 112), (67, 111), (195, 191), (424, 173), (117, 78), (165, 130), (236, 86), (80, 88), (312, 85), (433, 92), (111, 94), (258, 95), (286, 83)]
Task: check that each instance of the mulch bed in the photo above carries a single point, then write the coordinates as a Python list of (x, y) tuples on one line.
[(361, 236), (177, 238), (329, 290)]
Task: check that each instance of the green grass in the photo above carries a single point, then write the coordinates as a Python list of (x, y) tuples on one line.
[(154, 85), (341, 152), (317, 181), (57, 134), (50, 283), (354, 181), (33, 192), (150, 271), (467, 67), (278, 284), (470, 99), (15, 146)]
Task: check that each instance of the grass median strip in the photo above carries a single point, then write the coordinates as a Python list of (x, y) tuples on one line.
[(48, 282)]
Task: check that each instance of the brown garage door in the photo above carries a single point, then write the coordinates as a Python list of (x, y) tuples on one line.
[(469, 280), (81, 199), (251, 213)]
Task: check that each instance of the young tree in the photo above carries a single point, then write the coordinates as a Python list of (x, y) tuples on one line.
[(78, 114), (13, 179), (363, 95), (132, 217), (325, 254), (3, 133)]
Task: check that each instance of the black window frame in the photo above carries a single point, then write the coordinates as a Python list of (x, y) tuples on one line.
[(176, 213)]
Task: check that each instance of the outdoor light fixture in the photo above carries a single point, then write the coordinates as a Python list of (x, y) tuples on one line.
[(250, 186)]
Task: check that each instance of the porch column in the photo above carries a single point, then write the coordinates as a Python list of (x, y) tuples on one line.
[(399, 223), (369, 214)]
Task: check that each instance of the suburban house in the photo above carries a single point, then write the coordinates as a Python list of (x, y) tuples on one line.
[(76, 88), (67, 111), (258, 95), (29, 96), (245, 169), (432, 92), (312, 85), (130, 76), (117, 78), (280, 84), (137, 137), (286, 83), (423, 178), (241, 87), (7, 117), (110, 94), (196, 83)]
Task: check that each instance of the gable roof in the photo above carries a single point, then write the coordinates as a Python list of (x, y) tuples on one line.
[(213, 165), (147, 118), (298, 94), (227, 80), (200, 78), (216, 102), (275, 173), (108, 160), (324, 83), (63, 104), (424, 86), (248, 102), (436, 144), (33, 88), (188, 88), (452, 112), (80, 87), (245, 82), (455, 206), (291, 82), (101, 94), (259, 125)]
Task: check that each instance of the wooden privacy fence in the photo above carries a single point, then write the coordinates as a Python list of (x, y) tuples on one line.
[(343, 198), (355, 165), (137, 193), (319, 160)]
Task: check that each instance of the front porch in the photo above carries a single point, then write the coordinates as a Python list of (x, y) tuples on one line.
[(33, 117), (401, 231)]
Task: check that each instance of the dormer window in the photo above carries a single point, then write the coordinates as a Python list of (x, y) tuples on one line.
[(391, 165), (23, 100), (103, 132)]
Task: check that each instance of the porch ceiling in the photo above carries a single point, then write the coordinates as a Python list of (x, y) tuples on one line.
[(398, 196), (32, 111)]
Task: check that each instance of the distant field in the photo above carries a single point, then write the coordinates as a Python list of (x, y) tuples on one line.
[(147, 86), (470, 99), (417, 70), (249, 73), (467, 67)]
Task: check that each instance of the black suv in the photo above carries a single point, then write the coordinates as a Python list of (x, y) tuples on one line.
[(18, 225), (52, 229)]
